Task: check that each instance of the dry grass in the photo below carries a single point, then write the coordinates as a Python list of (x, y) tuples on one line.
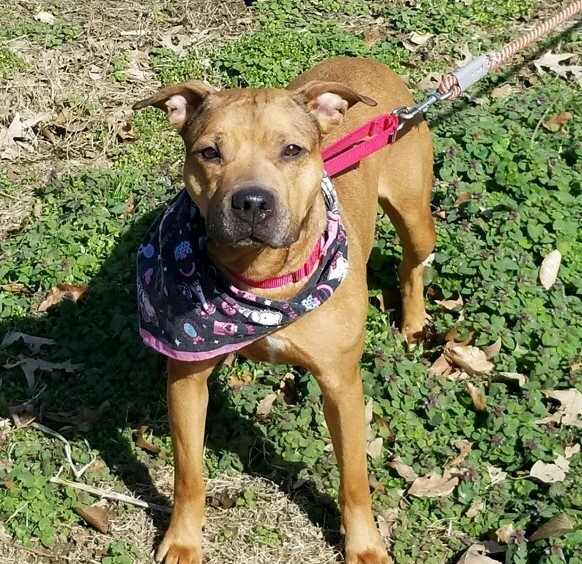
[(72, 83), (229, 536)]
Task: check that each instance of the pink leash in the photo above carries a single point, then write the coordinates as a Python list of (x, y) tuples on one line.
[(352, 148)]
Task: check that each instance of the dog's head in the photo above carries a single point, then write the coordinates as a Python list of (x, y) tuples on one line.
[(253, 164)]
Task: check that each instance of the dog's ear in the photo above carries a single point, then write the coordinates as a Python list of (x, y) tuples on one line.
[(329, 101), (179, 101)]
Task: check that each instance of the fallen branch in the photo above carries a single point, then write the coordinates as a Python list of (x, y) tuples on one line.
[(103, 494)]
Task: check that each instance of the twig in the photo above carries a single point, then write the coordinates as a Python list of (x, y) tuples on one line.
[(68, 454), (111, 495), (535, 131)]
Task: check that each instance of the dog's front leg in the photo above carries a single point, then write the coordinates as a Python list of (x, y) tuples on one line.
[(187, 402), (343, 406)]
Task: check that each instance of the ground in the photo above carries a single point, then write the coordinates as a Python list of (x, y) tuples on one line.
[(472, 436)]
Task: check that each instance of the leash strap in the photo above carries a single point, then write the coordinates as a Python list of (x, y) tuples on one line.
[(353, 147)]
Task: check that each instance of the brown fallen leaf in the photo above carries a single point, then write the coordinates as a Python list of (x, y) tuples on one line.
[(434, 485), (9, 484), (265, 406), (390, 437), (570, 451), (470, 359), (555, 123), (97, 516), (403, 470), (496, 475), (451, 304), (550, 473), (475, 509), (128, 207), (491, 351), (429, 82), (555, 527), (387, 522), (505, 533), (549, 269), (16, 289), (440, 367), (477, 553), (62, 292), (464, 447), (521, 379), (502, 91), (478, 397), (570, 410), (462, 198), (124, 131), (223, 500), (30, 366), (144, 444), (416, 40)]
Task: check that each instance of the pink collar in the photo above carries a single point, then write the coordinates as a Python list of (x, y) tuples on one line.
[(279, 281)]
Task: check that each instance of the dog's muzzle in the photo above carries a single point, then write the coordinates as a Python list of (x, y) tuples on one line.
[(250, 215)]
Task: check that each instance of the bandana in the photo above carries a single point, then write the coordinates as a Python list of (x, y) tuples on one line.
[(189, 312)]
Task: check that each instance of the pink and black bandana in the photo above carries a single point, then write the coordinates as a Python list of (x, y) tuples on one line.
[(189, 312)]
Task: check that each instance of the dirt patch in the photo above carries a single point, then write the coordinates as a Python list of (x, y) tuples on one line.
[(79, 92)]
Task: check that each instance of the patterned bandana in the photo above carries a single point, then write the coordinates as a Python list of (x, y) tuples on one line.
[(189, 312)]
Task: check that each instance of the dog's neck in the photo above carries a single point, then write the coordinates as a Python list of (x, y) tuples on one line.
[(263, 263)]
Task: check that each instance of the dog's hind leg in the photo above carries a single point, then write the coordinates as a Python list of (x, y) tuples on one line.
[(405, 196)]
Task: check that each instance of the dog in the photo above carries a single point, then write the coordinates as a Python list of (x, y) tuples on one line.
[(253, 170)]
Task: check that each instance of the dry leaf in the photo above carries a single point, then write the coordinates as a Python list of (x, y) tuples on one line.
[(266, 406), (451, 304), (502, 91), (31, 365), (403, 470), (475, 509), (287, 387), (551, 60), (570, 410), (471, 359), (124, 131), (492, 351), (62, 292), (556, 122), (144, 444), (478, 397), (496, 475), (550, 473), (16, 289), (33, 343), (570, 451), (505, 533), (97, 516), (510, 377), (416, 40), (555, 527), (464, 447), (549, 268), (440, 367), (462, 198), (477, 553), (434, 485), (223, 500), (45, 17), (374, 449), (429, 82)]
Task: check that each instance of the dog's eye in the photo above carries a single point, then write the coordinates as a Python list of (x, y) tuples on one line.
[(209, 154), (291, 151)]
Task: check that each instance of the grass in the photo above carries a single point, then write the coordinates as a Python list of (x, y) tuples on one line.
[(507, 192)]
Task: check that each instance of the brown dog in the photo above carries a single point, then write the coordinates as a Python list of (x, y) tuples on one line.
[(265, 144)]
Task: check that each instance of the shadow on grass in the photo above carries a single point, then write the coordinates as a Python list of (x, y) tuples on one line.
[(118, 372)]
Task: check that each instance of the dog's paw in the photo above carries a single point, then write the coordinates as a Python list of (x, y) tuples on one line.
[(369, 556), (174, 551), (366, 549)]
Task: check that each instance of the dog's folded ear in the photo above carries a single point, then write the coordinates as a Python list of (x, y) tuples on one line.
[(178, 101), (329, 101)]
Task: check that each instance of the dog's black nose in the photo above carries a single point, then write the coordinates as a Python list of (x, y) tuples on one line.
[(253, 204)]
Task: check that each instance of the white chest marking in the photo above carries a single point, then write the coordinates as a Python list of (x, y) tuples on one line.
[(274, 346)]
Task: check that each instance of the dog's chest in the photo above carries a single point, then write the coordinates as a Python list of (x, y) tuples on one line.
[(273, 348)]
